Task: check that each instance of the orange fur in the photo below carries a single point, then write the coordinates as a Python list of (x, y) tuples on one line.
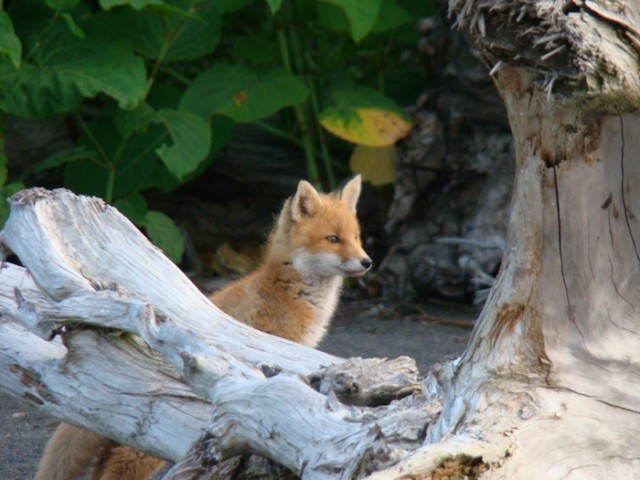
[(292, 294)]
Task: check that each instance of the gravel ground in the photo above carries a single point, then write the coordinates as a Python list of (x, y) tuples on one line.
[(428, 334)]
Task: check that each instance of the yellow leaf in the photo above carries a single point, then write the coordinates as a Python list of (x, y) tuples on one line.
[(376, 164), (372, 127)]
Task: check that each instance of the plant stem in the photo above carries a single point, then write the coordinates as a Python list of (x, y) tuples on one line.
[(163, 52), (301, 116), (107, 162), (108, 165), (303, 65), (43, 34), (177, 75), (324, 150), (111, 180), (156, 66)]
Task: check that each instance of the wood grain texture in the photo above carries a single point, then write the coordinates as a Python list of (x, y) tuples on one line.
[(121, 308)]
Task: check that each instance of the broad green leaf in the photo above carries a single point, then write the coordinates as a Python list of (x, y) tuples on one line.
[(375, 164), (62, 4), (171, 37), (362, 15), (391, 16), (136, 4), (9, 42), (274, 5), (164, 234), (222, 130), (332, 17), (191, 137), (241, 94), (69, 70), (134, 207), (365, 117), (137, 120)]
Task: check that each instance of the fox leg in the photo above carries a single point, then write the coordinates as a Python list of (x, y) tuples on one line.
[(69, 452), (125, 463)]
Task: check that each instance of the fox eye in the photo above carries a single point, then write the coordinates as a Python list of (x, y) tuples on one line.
[(333, 239)]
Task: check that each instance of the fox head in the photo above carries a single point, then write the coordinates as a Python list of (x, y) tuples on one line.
[(320, 233)]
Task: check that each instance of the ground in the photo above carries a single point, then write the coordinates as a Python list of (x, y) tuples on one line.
[(367, 329)]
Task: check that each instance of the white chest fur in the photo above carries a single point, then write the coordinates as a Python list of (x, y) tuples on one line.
[(322, 297)]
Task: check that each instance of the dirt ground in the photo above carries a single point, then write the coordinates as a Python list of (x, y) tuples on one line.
[(429, 334)]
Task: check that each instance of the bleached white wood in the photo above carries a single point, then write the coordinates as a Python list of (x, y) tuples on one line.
[(72, 244), (256, 385), (113, 384)]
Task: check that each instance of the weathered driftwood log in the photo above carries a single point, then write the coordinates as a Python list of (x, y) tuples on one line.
[(147, 360)]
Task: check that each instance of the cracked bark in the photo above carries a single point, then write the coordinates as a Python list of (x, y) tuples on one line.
[(554, 353), (570, 310), (627, 211)]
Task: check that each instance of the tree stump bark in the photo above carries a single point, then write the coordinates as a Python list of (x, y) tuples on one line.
[(548, 386)]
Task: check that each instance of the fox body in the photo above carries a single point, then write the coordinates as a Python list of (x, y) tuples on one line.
[(292, 294)]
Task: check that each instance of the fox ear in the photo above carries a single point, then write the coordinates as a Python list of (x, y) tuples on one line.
[(305, 202), (350, 193)]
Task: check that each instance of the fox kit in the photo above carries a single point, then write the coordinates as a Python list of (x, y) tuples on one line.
[(292, 294)]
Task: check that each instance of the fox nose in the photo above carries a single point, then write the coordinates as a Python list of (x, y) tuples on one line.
[(366, 263)]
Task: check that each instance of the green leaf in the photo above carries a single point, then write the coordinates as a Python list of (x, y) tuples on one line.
[(362, 15), (222, 130), (173, 38), (62, 4), (274, 5), (332, 18), (9, 43), (136, 4), (67, 70), (241, 94), (137, 120), (164, 234), (134, 207), (391, 16), (191, 137), (362, 97)]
